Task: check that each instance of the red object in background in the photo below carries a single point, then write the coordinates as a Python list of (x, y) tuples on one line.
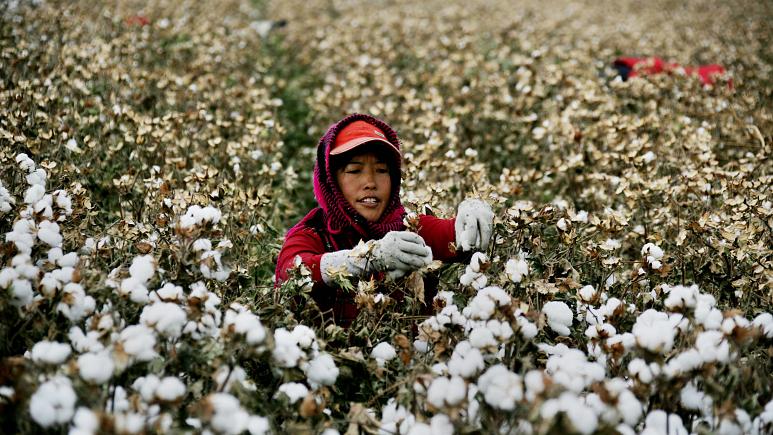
[(137, 20), (634, 66)]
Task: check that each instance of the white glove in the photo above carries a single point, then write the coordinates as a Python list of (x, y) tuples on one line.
[(397, 253), (474, 223)]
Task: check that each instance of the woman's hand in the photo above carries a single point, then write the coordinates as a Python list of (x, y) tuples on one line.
[(474, 224), (397, 254)]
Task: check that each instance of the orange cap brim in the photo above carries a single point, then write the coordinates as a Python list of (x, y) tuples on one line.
[(354, 143)]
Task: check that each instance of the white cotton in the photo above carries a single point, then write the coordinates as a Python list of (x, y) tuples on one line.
[(21, 290), (166, 318), (50, 352), (763, 321), (6, 200), (763, 424), (146, 386), (75, 303), (655, 331), (482, 338), (587, 294), (63, 201), (501, 388), (34, 194), (68, 260), (228, 416), (731, 323), (202, 245), (639, 369), (304, 336), (53, 402), (395, 419), (660, 423), (85, 342), (580, 416), (142, 269), (712, 346), (294, 391), (322, 370), (445, 391), (48, 232), (680, 296), (257, 425), (559, 317), (227, 376), (684, 362), (382, 353), (652, 250), (96, 367), (170, 389), (38, 176), (249, 325), (485, 302), (534, 381), (25, 162), (517, 268), (570, 367), (139, 342), (527, 329), (466, 360), (7, 276), (694, 399), (168, 293), (85, 422), (286, 351), (131, 423), (196, 215)]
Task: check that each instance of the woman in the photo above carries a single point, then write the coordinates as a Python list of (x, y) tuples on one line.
[(357, 186)]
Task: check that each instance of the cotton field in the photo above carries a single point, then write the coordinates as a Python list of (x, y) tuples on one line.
[(154, 154)]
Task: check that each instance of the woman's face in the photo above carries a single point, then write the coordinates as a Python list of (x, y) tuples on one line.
[(366, 183)]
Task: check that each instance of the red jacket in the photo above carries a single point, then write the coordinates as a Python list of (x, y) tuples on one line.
[(313, 240)]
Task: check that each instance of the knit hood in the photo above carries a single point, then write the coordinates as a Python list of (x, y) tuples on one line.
[(338, 215)]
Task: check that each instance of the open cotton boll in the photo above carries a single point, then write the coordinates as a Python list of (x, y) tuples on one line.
[(50, 352), (660, 423), (534, 381), (655, 331), (571, 368), (196, 215), (466, 361), (34, 194), (142, 269), (85, 422), (445, 391), (484, 303), (53, 402), (582, 417), (170, 389), (6, 200), (139, 342), (559, 317), (322, 371), (517, 268), (249, 325), (382, 353), (482, 338), (304, 336), (85, 342), (527, 329), (293, 390), (712, 346), (680, 296), (230, 376), (168, 293), (202, 245), (642, 371), (286, 351), (7, 276), (694, 399), (25, 162), (166, 318), (48, 232), (652, 250), (501, 388), (146, 386), (763, 321), (763, 424), (38, 176), (21, 291), (96, 367), (63, 201), (76, 305), (228, 416), (395, 418)]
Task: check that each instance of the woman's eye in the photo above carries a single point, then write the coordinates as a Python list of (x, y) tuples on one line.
[(382, 170)]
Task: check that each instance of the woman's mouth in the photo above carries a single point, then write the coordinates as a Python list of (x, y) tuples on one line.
[(369, 201)]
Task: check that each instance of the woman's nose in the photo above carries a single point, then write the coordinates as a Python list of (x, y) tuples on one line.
[(370, 179)]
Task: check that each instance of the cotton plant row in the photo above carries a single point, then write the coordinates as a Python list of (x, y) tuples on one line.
[(103, 350), (610, 359)]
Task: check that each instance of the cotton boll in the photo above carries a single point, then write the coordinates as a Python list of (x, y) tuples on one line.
[(165, 317), (587, 294), (482, 338), (660, 423), (168, 293), (580, 416), (527, 329), (534, 381), (129, 422), (50, 352), (85, 342), (517, 268), (85, 422), (53, 402), (170, 389), (96, 367), (258, 425), (696, 400), (304, 336), (395, 419), (7, 276), (501, 388), (681, 296), (76, 305), (712, 346), (139, 342), (227, 376), (293, 390), (445, 391), (143, 267), (286, 351), (559, 317), (652, 250), (202, 245), (466, 361), (655, 331), (34, 194), (21, 291), (249, 325), (228, 416), (322, 370), (63, 201), (763, 321), (382, 353)]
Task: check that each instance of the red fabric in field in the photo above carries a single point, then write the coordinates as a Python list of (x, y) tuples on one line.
[(634, 66)]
